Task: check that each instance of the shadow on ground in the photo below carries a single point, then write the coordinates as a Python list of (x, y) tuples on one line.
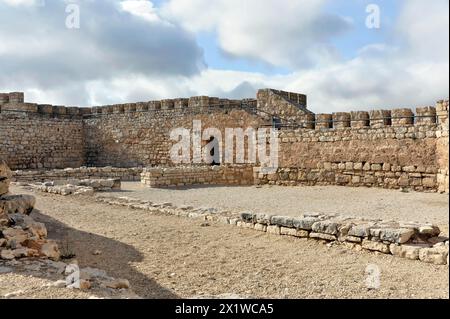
[(115, 258)]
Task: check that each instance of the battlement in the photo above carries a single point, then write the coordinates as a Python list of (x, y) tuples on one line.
[(13, 97), (399, 117), (14, 103), (196, 103)]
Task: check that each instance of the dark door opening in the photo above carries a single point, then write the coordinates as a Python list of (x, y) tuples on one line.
[(215, 157)]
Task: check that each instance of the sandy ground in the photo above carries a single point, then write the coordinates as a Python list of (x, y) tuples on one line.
[(170, 257), (360, 202)]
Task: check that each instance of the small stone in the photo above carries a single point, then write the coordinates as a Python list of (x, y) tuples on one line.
[(394, 235), (360, 230), (375, 246), (97, 252), (273, 229), (17, 235), (5, 270), (430, 230), (261, 227), (118, 284), (20, 252), (304, 223), (293, 232), (283, 221), (58, 284), (322, 236), (437, 256), (326, 227), (263, 218), (353, 239), (50, 250), (247, 216), (81, 284), (7, 254)]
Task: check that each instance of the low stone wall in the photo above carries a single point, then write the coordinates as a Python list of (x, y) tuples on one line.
[(403, 239), (409, 240), (124, 174), (354, 174), (197, 175), (75, 186)]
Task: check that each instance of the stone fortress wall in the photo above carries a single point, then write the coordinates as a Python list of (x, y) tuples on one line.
[(383, 148), (386, 148)]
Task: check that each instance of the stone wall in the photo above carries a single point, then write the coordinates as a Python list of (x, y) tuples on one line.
[(143, 138), (197, 175), (390, 149), (289, 107), (442, 146), (39, 136), (384, 148)]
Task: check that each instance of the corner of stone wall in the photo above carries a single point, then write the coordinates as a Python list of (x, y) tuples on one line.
[(442, 146)]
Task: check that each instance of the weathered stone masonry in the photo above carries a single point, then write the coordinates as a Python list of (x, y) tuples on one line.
[(39, 136), (382, 148)]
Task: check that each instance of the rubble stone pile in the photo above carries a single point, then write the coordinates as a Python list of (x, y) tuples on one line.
[(20, 235), (76, 186)]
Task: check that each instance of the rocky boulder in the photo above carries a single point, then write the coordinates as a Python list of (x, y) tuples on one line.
[(5, 178), (22, 204)]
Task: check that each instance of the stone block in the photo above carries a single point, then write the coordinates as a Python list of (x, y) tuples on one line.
[(324, 121), (375, 246), (304, 223), (261, 227), (360, 230), (406, 251), (274, 229), (435, 255), (326, 227), (380, 118), (401, 117), (360, 119), (283, 221), (322, 236), (293, 232), (393, 235)]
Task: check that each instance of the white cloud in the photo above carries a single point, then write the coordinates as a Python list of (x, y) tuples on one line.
[(141, 8), (15, 3), (409, 69), (284, 33), (38, 52)]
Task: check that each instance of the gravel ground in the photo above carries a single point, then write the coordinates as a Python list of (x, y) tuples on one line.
[(360, 202), (170, 257)]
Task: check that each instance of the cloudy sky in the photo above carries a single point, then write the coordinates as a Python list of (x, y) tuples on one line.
[(128, 51)]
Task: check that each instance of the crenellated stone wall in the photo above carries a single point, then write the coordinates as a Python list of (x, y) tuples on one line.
[(392, 148), (143, 138)]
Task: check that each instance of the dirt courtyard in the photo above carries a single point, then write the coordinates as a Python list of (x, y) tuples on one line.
[(359, 202), (172, 257)]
